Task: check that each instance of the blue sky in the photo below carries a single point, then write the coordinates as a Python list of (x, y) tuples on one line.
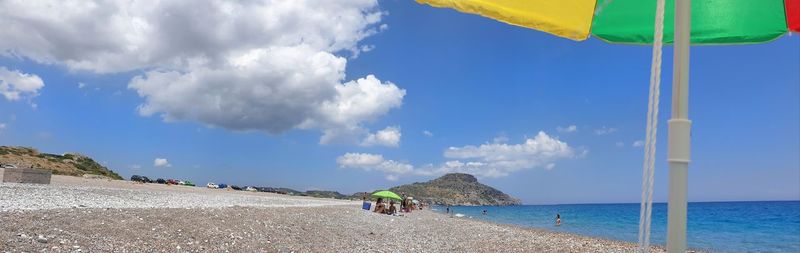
[(478, 87)]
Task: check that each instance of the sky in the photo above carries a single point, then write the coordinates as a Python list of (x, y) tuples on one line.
[(363, 95)]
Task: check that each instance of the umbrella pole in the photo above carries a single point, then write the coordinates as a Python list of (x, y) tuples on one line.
[(678, 143)]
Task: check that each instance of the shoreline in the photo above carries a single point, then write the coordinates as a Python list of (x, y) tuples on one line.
[(125, 219), (653, 248)]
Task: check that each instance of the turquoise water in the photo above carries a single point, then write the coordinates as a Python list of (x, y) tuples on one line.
[(772, 226)]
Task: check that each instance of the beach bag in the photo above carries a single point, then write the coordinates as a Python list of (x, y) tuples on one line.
[(366, 206)]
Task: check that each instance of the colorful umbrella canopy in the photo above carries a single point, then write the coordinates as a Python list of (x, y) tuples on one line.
[(631, 21), (386, 195)]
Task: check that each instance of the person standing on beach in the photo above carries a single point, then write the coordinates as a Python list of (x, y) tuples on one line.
[(558, 219)]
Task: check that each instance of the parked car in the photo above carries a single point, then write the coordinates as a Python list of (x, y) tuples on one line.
[(141, 179), (222, 186), (8, 166), (188, 183), (161, 181), (236, 187), (212, 185), (137, 178), (251, 189), (172, 181)]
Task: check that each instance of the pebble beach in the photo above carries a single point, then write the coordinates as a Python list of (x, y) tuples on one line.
[(95, 215)]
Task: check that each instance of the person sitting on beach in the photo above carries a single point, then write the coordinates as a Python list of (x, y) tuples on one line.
[(392, 210), (558, 219), (380, 207)]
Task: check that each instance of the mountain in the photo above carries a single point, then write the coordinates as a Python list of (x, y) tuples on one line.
[(456, 189), (326, 194), (70, 164)]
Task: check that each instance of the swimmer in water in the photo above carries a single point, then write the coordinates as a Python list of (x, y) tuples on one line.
[(558, 219)]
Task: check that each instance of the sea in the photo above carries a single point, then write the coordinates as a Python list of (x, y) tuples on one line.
[(769, 226)]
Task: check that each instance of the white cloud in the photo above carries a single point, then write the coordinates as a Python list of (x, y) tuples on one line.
[(15, 85), (370, 162), (501, 159), (604, 130), (568, 129), (427, 133), (389, 137), (81, 85), (161, 162), (2, 127), (486, 160), (359, 160), (266, 66), (135, 166), (638, 143), (500, 139), (620, 144)]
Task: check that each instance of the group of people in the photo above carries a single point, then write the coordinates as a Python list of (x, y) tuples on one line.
[(406, 206), (380, 207)]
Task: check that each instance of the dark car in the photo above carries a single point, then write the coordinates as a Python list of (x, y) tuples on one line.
[(161, 181), (136, 178), (236, 187), (222, 186), (142, 179), (172, 181)]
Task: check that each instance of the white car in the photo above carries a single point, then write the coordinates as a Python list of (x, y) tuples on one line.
[(8, 166), (251, 189), (212, 185)]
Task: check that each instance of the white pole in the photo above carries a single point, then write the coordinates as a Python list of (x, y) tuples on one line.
[(679, 131)]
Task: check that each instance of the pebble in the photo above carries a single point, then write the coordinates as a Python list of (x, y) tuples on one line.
[(261, 223), (41, 239)]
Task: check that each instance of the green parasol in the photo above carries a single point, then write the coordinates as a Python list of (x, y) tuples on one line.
[(386, 194)]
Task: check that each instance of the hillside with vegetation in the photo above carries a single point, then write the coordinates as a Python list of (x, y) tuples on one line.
[(70, 164), (456, 189)]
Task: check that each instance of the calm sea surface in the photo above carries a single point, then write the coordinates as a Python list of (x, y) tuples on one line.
[(772, 226)]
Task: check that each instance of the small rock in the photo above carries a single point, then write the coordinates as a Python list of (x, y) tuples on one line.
[(41, 239)]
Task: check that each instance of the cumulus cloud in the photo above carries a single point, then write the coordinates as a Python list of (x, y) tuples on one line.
[(500, 139), (241, 65), (161, 162), (370, 162), (605, 130), (389, 137), (568, 129), (15, 85), (81, 85), (427, 133), (638, 143), (501, 159), (486, 160)]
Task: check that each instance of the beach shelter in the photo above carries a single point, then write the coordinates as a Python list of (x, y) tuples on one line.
[(682, 22), (386, 195)]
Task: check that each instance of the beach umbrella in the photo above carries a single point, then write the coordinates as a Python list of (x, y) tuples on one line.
[(631, 21), (386, 195), (682, 22)]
